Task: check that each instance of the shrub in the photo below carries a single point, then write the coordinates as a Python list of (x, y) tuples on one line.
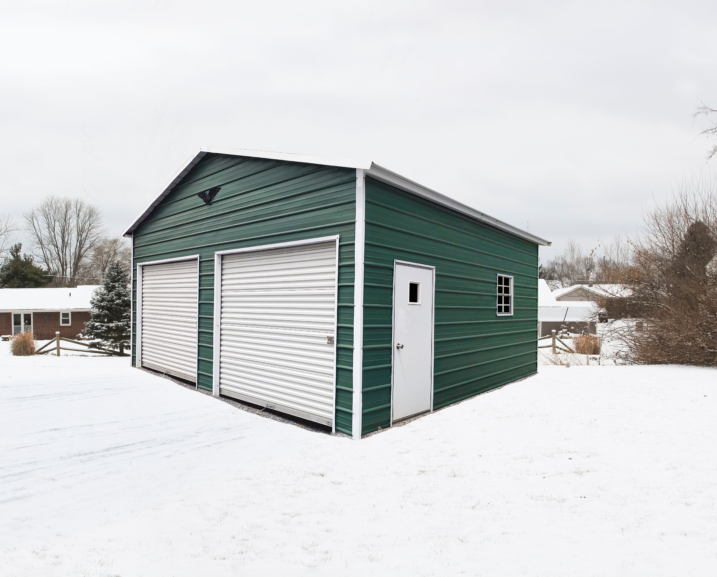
[(587, 345), (23, 345)]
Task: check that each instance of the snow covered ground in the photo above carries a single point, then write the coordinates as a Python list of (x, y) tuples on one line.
[(106, 470)]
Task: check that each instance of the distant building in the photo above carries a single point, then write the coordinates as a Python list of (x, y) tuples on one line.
[(44, 311), (571, 314), (586, 292)]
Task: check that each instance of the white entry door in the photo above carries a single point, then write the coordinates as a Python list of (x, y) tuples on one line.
[(412, 339)]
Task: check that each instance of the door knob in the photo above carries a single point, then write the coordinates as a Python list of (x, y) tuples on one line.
[(399, 346)]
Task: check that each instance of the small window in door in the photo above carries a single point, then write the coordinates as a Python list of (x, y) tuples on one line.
[(414, 293), (505, 295), (65, 319)]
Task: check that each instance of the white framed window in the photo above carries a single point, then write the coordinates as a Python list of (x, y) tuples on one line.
[(65, 319), (504, 301), (414, 293), (21, 322)]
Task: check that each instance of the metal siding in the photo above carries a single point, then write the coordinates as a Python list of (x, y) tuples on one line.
[(261, 202), (475, 350), (169, 318), (278, 312)]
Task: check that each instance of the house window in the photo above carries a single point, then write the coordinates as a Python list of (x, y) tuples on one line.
[(414, 293), (505, 295), (21, 323), (65, 319)]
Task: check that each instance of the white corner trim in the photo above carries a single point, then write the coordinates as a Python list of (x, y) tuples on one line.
[(138, 325), (359, 252), (132, 307), (216, 337), (336, 334)]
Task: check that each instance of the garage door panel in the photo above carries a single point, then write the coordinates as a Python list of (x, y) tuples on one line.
[(157, 315), (277, 329), (315, 346), (255, 374), (168, 363), (289, 352), (268, 263), (283, 298), (168, 357), (272, 390), (179, 343), (169, 318), (316, 368), (318, 320), (295, 323), (282, 403)]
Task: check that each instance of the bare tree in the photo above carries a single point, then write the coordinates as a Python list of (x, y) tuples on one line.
[(711, 115), (105, 252), (7, 227), (571, 267), (616, 258), (576, 267), (670, 313), (64, 232)]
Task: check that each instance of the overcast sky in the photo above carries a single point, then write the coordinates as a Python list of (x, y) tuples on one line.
[(569, 116)]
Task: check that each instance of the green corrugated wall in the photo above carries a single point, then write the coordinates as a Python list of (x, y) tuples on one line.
[(475, 350), (261, 202)]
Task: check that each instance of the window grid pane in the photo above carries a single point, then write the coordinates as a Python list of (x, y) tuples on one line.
[(504, 301)]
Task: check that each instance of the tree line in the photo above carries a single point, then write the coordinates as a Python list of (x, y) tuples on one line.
[(664, 280), (67, 245)]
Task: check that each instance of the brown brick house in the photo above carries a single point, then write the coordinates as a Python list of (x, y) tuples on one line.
[(45, 311)]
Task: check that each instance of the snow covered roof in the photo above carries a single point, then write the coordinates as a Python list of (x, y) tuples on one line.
[(545, 297), (370, 169), (599, 290), (46, 299), (574, 312)]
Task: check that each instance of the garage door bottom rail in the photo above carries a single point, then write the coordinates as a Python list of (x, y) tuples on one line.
[(169, 371), (275, 407)]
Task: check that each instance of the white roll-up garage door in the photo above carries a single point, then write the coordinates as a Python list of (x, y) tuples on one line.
[(277, 329), (169, 318)]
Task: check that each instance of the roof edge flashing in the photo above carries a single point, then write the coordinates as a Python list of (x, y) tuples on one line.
[(372, 170), (389, 177)]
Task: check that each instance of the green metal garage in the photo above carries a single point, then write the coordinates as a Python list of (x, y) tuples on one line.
[(333, 290)]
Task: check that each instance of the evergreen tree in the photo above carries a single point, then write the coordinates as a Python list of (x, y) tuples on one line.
[(110, 321), (21, 271), (696, 251)]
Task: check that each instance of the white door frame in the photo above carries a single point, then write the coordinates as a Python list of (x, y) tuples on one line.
[(138, 330), (216, 344), (393, 324), (22, 312)]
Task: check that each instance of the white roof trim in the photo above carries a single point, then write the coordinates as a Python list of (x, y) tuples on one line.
[(385, 175), (372, 170), (306, 158)]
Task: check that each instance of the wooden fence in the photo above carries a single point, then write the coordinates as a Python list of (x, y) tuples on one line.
[(556, 344), (56, 342)]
